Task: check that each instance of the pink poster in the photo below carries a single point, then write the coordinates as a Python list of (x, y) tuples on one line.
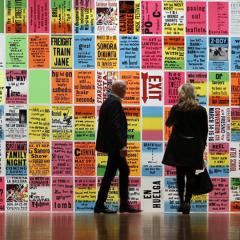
[(151, 17), (38, 16), (218, 18), (169, 171), (219, 197), (62, 158), (62, 194), (173, 80), (134, 192), (2, 194), (196, 18)]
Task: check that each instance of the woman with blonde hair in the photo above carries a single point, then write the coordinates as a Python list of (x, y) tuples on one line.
[(187, 142)]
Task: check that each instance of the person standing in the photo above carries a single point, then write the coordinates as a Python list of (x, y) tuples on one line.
[(112, 139), (187, 142)]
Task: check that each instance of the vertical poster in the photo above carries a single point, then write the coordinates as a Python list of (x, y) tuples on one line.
[(234, 153), (133, 120), (62, 194), (39, 123), (39, 194), (101, 163), (129, 51), (134, 192), (2, 160), (151, 52), (85, 159), (235, 14), (38, 16), (85, 193), (171, 199), (235, 194), (61, 16), (3, 46), (16, 87), (84, 123), (151, 20), (129, 17), (152, 88), (235, 53), (235, 89), (107, 52), (2, 85), (134, 158), (174, 53), (61, 52), (39, 159), (62, 158), (84, 87), (84, 52), (235, 124), (84, 17), (107, 16), (196, 53), (2, 17), (62, 86), (2, 194), (152, 123)]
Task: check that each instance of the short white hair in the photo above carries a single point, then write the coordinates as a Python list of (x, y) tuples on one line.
[(118, 84)]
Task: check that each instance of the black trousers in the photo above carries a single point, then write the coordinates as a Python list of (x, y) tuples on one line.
[(115, 162), (183, 186)]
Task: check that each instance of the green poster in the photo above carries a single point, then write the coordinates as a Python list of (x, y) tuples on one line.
[(39, 86), (1, 16), (16, 51)]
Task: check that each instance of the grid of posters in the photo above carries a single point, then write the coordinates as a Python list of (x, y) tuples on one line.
[(58, 61)]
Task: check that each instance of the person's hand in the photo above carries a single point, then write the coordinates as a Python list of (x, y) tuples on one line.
[(123, 152)]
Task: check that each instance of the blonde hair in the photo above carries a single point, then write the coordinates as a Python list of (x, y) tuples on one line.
[(187, 98)]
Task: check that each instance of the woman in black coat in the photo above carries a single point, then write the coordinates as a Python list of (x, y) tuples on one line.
[(187, 142)]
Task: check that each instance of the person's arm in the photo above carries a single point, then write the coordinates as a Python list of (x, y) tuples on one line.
[(171, 118)]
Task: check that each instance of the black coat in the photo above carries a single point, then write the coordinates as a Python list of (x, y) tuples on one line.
[(188, 138), (112, 126)]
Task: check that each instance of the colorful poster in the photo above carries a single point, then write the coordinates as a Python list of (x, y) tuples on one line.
[(152, 194), (85, 193), (196, 53), (235, 194), (16, 87), (171, 199), (16, 194), (235, 124), (132, 79), (235, 89), (218, 54), (16, 16), (39, 51), (2, 17), (39, 123), (219, 124), (16, 51), (134, 192), (104, 84), (61, 16), (16, 158), (38, 16), (85, 159), (152, 123), (235, 15), (62, 194), (107, 52), (151, 52), (235, 53), (1, 122), (173, 17), (62, 158), (152, 88), (133, 119), (219, 89), (84, 19), (234, 159), (84, 87), (62, 122), (129, 17), (199, 81), (134, 158), (3, 46), (2, 85), (84, 123), (174, 53), (2, 194), (151, 13), (61, 51), (15, 122), (62, 86), (199, 203), (218, 19), (196, 18), (102, 159), (2, 160), (129, 51), (218, 199), (84, 52), (152, 153), (173, 80), (218, 159), (39, 158), (107, 16), (39, 194)]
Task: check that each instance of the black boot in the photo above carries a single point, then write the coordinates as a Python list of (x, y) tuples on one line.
[(186, 208)]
